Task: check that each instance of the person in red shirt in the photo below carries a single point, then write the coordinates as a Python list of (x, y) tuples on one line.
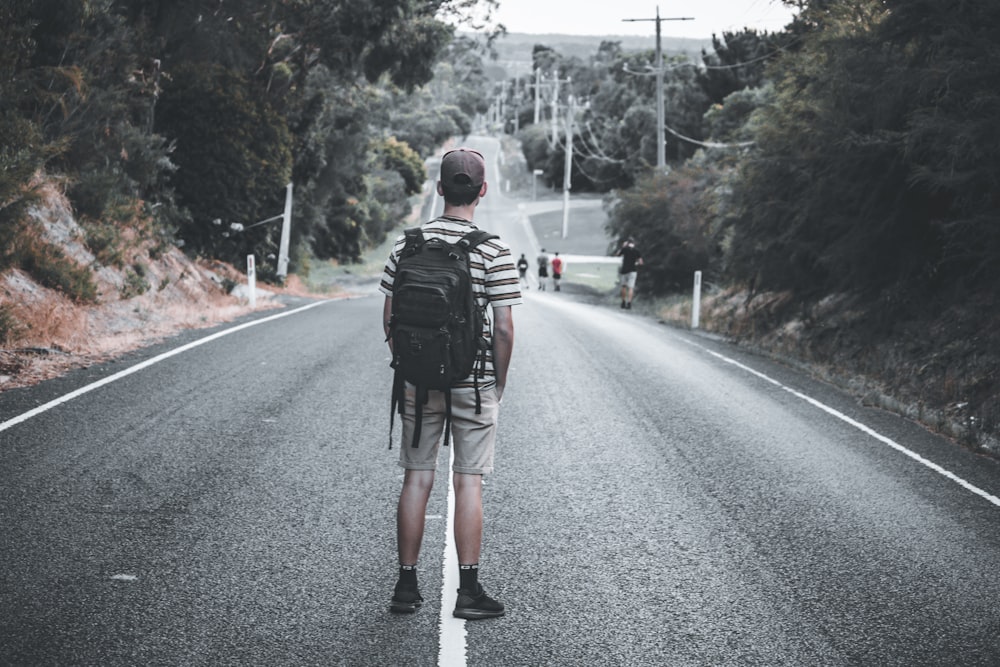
[(557, 270)]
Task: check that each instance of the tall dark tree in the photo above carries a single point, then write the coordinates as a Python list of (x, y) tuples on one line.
[(738, 60), (80, 88), (666, 215), (951, 102), (280, 51), (875, 167), (233, 155)]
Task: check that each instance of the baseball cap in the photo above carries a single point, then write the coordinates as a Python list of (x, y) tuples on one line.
[(463, 168)]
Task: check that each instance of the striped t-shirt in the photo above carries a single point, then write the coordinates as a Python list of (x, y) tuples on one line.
[(495, 280)]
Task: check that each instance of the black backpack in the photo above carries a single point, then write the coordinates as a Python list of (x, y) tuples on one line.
[(436, 326)]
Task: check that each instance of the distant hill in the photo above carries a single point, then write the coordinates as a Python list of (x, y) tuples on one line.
[(514, 49)]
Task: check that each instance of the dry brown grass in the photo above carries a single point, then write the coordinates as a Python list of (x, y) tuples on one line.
[(47, 333), (55, 334)]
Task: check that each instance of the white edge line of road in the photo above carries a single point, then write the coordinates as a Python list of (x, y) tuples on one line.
[(856, 424), (146, 364)]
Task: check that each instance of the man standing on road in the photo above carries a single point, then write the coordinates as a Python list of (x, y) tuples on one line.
[(543, 269), (631, 261), (495, 283)]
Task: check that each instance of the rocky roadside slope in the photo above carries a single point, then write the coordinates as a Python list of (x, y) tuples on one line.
[(152, 296)]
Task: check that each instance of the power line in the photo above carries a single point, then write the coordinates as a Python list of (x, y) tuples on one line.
[(755, 60), (708, 144), (689, 63), (591, 177), (603, 155)]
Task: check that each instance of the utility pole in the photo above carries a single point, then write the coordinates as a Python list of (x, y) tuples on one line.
[(568, 169), (286, 232), (555, 105), (538, 94), (516, 103), (661, 158), (555, 109)]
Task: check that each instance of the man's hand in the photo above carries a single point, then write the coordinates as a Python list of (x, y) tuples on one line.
[(386, 318), (503, 345)]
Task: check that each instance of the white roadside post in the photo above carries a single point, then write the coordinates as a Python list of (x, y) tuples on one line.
[(696, 301), (251, 282)]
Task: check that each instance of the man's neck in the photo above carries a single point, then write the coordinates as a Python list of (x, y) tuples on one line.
[(463, 212)]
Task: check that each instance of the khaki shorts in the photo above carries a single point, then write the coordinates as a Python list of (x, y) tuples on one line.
[(473, 436), (628, 279)]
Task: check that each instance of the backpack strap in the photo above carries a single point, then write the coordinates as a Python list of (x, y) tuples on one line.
[(399, 405), (474, 238), (469, 242), (421, 397), (447, 416), (479, 373), (398, 400), (414, 238)]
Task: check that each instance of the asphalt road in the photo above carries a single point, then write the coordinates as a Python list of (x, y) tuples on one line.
[(660, 499)]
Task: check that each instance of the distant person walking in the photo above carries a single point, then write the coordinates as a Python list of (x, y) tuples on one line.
[(522, 270), (631, 261), (558, 266), (543, 269)]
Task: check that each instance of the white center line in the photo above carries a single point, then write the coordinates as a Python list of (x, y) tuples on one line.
[(858, 425), (452, 644)]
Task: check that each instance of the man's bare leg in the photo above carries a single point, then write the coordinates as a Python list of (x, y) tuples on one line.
[(468, 517), (411, 514)]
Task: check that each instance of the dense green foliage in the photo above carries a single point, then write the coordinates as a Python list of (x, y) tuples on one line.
[(854, 152), (221, 175), (615, 97), (184, 120), (665, 213), (679, 217), (877, 162)]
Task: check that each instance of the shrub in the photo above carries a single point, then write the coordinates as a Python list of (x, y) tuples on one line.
[(135, 282), (668, 217), (234, 157), (10, 327), (105, 242), (49, 266)]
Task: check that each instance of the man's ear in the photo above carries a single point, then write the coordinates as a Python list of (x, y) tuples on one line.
[(440, 189), (482, 190)]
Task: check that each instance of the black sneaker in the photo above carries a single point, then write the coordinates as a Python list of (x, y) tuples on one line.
[(405, 599), (473, 605)]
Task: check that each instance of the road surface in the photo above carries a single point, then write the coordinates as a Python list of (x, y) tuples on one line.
[(660, 498)]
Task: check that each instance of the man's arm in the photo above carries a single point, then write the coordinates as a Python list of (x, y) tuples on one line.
[(503, 344), (386, 316)]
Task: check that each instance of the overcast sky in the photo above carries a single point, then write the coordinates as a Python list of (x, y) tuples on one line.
[(604, 17)]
